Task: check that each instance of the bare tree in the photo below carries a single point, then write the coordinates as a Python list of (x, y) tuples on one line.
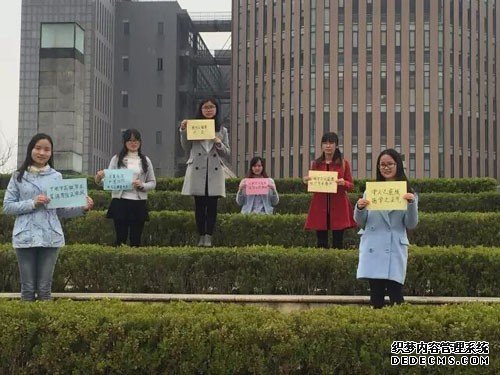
[(7, 150)]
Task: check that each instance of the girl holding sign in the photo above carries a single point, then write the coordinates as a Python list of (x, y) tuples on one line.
[(331, 211), (257, 203), (383, 250), (128, 207), (204, 177), (37, 234)]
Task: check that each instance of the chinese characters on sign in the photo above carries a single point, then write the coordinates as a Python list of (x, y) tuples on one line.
[(67, 193), (386, 195), (200, 129), (322, 182), (257, 186), (118, 179)]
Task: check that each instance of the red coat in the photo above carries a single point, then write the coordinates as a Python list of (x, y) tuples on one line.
[(341, 210)]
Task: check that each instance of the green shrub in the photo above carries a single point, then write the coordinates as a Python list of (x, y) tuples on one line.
[(295, 185), (437, 271), (173, 228), (299, 203), (110, 337)]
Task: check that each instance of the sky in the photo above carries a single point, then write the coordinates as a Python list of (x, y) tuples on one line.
[(10, 36)]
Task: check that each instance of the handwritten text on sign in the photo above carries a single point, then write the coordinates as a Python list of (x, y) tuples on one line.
[(118, 179), (200, 130), (322, 182), (257, 186), (67, 193), (386, 195)]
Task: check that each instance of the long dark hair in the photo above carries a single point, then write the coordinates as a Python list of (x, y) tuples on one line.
[(127, 134), (331, 137), (400, 170), (254, 161), (29, 160), (215, 102)]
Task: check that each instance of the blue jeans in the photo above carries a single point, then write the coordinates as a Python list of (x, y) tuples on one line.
[(36, 266)]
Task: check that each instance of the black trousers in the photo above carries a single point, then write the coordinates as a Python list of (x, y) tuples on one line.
[(337, 236), (125, 227), (378, 288), (205, 214)]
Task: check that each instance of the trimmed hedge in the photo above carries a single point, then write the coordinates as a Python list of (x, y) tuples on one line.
[(295, 185), (488, 201), (438, 271), (299, 203), (174, 228), (111, 337)]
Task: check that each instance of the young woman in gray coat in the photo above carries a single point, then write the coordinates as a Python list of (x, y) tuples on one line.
[(204, 177), (383, 250)]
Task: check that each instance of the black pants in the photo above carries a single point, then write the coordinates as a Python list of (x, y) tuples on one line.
[(337, 235), (205, 214), (377, 292), (124, 227)]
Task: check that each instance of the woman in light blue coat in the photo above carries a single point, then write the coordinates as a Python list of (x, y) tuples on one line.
[(37, 234), (257, 204), (383, 250)]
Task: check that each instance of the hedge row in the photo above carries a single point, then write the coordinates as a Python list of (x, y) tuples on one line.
[(299, 203), (295, 185), (174, 228), (437, 271), (111, 337)]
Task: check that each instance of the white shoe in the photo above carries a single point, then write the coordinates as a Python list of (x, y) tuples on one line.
[(208, 240)]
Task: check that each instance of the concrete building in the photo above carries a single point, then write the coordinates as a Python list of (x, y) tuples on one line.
[(418, 76), (126, 64), (64, 68)]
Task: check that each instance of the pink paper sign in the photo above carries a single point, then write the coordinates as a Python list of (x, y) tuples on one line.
[(257, 186)]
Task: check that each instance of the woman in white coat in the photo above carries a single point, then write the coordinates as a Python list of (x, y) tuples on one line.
[(204, 177), (383, 250)]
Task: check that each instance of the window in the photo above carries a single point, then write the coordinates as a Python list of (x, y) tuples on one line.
[(126, 27), (159, 64), (159, 100), (160, 28), (158, 138), (124, 99), (125, 62)]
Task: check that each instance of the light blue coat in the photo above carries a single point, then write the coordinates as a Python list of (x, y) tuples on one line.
[(35, 227), (269, 200), (383, 250)]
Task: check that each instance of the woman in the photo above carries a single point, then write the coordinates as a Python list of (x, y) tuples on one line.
[(383, 250), (128, 207), (331, 211), (37, 234), (257, 204), (204, 177)]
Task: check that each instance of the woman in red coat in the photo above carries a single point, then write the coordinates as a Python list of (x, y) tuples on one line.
[(331, 211)]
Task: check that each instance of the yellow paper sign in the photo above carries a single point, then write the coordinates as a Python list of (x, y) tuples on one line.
[(200, 130), (386, 195), (322, 182)]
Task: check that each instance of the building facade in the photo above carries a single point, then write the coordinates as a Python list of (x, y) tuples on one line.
[(130, 64), (417, 76), (49, 77)]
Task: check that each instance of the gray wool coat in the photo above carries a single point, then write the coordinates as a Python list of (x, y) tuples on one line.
[(205, 164)]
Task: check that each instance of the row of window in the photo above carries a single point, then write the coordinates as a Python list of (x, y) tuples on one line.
[(125, 100), (126, 64), (126, 27)]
